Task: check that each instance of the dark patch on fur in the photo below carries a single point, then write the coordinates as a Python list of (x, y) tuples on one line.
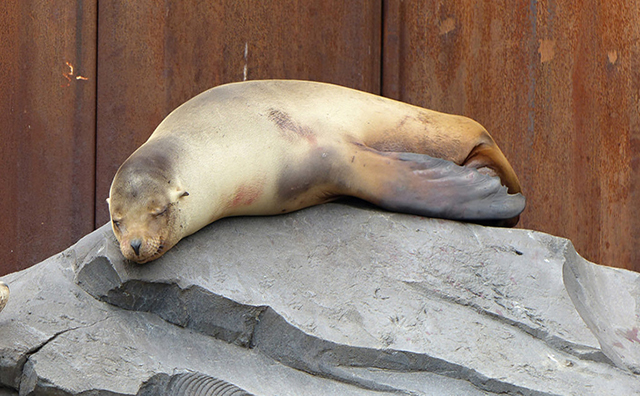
[(289, 128), (156, 156), (412, 135), (151, 165), (155, 162), (316, 170)]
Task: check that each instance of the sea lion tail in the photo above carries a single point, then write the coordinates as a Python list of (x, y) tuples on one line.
[(427, 186)]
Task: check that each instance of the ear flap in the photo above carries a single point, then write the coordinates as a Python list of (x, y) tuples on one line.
[(177, 194)]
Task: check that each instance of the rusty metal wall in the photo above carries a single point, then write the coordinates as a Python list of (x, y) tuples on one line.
[(557, 82), (47, 139), (152, 56)]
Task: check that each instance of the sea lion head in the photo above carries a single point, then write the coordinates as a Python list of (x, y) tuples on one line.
[(145, 207)]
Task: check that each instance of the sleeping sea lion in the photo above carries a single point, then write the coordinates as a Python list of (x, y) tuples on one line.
[(276, 146)]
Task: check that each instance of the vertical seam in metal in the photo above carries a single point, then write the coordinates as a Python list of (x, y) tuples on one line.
[(95, 120), (382, 31)]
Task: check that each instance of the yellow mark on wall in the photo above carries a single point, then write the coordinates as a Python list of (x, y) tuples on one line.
[(447, 26), (70, 75), (547, 50)]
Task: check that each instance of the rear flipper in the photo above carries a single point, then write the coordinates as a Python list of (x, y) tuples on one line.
[(427, 186)]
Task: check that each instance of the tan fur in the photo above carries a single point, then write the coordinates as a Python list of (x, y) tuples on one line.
[(268, 147), (4, 295)]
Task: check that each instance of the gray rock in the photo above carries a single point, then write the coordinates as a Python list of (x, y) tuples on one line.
[(608, 300), (44, 304), (334, 299)]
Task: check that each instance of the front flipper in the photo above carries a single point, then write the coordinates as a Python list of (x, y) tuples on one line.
[(427, 186)]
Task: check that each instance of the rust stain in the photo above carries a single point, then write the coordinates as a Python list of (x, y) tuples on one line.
[(547, 50)]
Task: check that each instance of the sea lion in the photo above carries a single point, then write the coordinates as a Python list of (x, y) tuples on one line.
[(4, 295), (276, 146)]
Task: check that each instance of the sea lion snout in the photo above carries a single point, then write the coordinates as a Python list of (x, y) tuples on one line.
[(135, 245), (142, 249)]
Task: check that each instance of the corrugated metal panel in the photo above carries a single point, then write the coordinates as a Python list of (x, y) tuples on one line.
[(153, 56), (557, 84), (47, 80)]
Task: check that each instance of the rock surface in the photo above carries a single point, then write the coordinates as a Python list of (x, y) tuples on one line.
[(609, 302), (334, 299)]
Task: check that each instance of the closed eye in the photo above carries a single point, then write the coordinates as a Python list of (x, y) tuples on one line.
[(160, 212)]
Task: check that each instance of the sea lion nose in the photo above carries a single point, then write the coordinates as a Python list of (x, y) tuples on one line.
[(135, 245)]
